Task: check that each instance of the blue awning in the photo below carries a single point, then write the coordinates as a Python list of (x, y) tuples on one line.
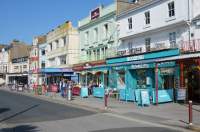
[(55, 70)]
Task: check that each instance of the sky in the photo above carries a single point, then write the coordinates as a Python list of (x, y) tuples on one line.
[(24, 19)]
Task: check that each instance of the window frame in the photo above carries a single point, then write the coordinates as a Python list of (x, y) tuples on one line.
[(171, 9), (130, 23)]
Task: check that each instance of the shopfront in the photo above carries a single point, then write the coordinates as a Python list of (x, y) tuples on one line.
[(190, 78), (54, 75), (134, 74)]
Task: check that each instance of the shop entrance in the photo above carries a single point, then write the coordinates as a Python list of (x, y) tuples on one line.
[(193, 84)]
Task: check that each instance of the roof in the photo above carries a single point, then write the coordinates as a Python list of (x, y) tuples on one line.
[(19, 49), (124, 6)]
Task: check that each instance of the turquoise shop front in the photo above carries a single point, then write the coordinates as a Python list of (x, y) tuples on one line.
[(133, 74)]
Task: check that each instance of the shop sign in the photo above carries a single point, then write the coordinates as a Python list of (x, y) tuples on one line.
[(167, 71), (140, 66), (132, 58), (166, 64), (181, 94), (95, 13), (18, 60)]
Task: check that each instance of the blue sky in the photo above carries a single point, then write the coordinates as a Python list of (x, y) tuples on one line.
[(24, 19)]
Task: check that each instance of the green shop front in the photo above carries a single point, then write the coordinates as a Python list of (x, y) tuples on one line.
[(134, 75)]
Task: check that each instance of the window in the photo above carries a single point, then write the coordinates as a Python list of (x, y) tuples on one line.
[(24, 66), (98, 54), (86, 37), (171, 9), (51, 46), (62, 60), (43, 64), (172, 39), (130, 23), (43, 51), (57, 44), (16, 67), (64, 41), (141, 78), (106, 30), (147, 17), (148, 44), (95, 34), (133, 1)]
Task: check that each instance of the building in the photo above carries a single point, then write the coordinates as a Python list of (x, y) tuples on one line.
[(34, 71), (18, 66), (3, 63), (62, 53), (42, 62), (153, 37), (98, 40)]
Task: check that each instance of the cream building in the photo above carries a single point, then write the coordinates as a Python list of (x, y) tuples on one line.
[(62, 52)]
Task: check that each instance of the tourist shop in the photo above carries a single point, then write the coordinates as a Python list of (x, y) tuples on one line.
[(143, 72)]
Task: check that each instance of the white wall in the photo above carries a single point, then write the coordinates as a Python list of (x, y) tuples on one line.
[(158, 15)]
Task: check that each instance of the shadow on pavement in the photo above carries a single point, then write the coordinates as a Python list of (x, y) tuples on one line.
[(2, 110), (16, 114), (20, 128), (138, 129)]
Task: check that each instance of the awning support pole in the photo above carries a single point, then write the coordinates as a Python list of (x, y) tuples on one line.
[(156, 77)]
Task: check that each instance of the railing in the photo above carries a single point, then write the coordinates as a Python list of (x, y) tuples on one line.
[(192, 46)]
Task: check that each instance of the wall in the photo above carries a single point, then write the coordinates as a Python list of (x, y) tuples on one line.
[(158, 15)]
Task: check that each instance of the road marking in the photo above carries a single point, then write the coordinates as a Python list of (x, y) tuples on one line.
[(145, 122)]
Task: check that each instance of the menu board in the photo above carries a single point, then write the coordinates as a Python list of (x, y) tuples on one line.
[(181, 94), (145, 97)]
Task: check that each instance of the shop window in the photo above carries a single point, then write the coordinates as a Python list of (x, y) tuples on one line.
[(168, 82), (121, 79), (141, 78)]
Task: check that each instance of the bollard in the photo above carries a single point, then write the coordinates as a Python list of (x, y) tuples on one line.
[(69, 93), (106, 101), (190, 112)]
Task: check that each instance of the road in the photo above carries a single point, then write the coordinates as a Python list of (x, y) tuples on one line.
[(19, 113)]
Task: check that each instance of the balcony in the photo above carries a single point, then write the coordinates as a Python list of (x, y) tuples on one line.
[(190, 47), (57, 52), (138, 50)]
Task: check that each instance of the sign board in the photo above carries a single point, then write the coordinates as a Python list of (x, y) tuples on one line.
[(145, 97), (95, 13), (181, 94)]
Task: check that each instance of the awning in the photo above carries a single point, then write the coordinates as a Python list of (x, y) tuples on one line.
[(55, 70), (180, 57), (157, 60)]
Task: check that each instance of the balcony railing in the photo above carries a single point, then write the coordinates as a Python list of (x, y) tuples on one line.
[(157, 47), (190, 46)]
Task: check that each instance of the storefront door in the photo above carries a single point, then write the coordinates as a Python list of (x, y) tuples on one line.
[(193, 85)]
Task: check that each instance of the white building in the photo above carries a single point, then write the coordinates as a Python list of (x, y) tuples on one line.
[(153, 34), (4, 61), (158, 24)]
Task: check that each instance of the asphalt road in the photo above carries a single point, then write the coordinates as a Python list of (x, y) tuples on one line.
[(20, 113)]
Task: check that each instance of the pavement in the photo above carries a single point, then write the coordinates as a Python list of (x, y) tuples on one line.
[(169, 114)]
